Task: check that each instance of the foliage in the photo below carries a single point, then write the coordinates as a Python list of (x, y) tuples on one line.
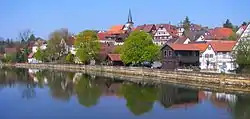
[(233, 37), (138, 48), (10, 57), (244, 23), (70, 58), (32, 38), (139, 99), (56, 47), (242, 53), (24, 36), (186, 24), (228, 24), (87, 46), (39, 55), (88, 92), (118, 49)]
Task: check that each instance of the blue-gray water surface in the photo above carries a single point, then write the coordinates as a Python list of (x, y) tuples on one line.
[(34, 94)]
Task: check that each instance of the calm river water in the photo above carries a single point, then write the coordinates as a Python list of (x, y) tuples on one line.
[(32, 94)]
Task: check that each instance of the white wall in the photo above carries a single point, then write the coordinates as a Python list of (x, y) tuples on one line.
[(203, 59)]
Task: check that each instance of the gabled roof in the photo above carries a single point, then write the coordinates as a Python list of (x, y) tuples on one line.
[(171, 29), (219, 33), (117, 29), (201, 46), (146, 27), (181, 40), (223, 46), (185, 47), (114, 57)]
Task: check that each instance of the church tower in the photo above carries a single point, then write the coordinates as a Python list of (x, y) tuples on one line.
[(130, 24)]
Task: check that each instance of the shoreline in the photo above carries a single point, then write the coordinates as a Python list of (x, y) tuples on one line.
[(200, 80)]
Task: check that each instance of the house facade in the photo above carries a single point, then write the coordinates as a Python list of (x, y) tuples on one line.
[(217, 56), (164, 33)]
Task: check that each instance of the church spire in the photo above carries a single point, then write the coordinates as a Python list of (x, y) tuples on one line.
[(130, 20)]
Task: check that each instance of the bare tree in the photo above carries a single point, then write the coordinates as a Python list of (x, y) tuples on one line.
[(24, 35)]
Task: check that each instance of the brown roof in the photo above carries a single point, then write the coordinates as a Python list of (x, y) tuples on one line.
[(189, 47), (181, 40), (10, 50), (71, 40), (170, 28), (114, 57), (146, 27)]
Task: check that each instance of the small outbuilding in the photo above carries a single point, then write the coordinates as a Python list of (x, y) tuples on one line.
[(114, 60), (179, 56)]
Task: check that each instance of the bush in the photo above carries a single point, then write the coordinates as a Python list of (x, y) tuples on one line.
[(70, 58)]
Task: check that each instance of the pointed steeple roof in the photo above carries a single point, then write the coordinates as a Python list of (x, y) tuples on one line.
[(130, 20)]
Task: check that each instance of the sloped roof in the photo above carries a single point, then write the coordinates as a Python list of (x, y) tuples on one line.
[(201, 46), (102, 35), (187, 47), (223, 46), (71, 40), (114, 57), (146, 27), (10, 50), (219, 33), (181, 40), (116, 29)]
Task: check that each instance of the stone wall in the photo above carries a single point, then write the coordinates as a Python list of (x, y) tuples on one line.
[(147, 73)]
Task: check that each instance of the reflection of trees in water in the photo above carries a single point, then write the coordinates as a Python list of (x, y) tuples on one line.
[(139, 99), (56, 85), (28, 91), (170, 95), (88, 91), (241, 109)]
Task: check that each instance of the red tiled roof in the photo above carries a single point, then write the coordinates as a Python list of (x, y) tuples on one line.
[(189, 47), (223, 46), (114, 57), (201, 46), (102, 35), (219, 33), (117, 29), (170, 28)]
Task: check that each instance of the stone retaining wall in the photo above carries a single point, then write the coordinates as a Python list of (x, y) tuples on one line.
[(154, 74)]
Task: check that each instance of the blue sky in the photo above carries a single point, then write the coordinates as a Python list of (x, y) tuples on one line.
[(44, 16)]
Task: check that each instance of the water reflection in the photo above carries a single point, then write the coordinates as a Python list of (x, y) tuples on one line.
[(140, 99)]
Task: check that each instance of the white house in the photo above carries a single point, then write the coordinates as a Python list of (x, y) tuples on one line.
[(164, 33), (217, 56)]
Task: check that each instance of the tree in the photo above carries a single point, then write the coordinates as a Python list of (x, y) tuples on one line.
[(118, 49), (244, 23), (32, 38), (57, 44), (138, 48), (233, 37), (87, 46), (39, 55), (186, 24), (24, 36), (228, 24), (242, 53), (70, 58)]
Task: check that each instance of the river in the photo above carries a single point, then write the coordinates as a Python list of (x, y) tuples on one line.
[(34, 94)]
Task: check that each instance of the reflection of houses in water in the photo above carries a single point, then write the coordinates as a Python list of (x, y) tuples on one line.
[(111, 89), (33, 71), (32, 76), (172, 97)]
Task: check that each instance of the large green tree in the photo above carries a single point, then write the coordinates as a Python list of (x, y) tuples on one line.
[(87, 46), (138, 48)]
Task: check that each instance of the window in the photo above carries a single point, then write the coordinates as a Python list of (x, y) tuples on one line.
[(224, 54), (169, 53), (211, 55), (165, 53), (209, 48), (206, 56)]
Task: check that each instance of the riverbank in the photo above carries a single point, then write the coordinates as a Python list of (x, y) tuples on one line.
[(151, 75)]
